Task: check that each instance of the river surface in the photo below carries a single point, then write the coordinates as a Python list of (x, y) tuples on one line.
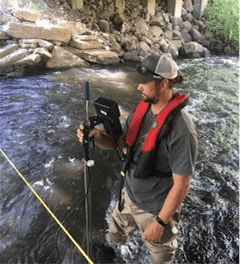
[(39, 116)]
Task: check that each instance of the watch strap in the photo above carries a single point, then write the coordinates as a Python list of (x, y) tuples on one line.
[(160, 221)]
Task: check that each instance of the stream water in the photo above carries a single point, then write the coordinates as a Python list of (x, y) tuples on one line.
[(39, 116)]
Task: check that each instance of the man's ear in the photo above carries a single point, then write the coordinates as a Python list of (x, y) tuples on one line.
[(164, 84)]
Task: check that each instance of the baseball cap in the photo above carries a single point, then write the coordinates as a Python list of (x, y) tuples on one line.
[(158, 66)]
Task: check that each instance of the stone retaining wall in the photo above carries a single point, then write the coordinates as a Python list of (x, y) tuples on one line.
[(97, 34)]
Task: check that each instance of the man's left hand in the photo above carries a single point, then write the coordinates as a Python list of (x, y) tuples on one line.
[(153, 232)]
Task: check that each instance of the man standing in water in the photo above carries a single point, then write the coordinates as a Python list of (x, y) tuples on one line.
[(162, 144)]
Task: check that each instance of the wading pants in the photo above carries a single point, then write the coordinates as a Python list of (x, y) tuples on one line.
[(123, 224)]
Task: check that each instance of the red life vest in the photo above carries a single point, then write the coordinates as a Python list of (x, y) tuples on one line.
[(177, 102)]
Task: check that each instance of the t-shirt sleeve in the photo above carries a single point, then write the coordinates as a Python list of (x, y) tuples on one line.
[(182, 154)]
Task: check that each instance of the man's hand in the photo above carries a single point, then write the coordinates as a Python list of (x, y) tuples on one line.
[(93, 133), (153, 232)]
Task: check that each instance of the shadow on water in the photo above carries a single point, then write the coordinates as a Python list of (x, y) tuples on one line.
[(39, 117)]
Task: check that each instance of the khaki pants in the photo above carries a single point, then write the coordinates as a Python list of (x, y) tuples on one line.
[(123, 224)]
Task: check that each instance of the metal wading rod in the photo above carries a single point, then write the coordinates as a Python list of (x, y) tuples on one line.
[(86, 256), (87, 164)]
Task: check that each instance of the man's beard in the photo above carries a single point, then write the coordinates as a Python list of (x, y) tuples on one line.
[(152, 100)]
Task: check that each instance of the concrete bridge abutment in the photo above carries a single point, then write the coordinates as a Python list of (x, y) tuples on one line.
[(174, 6)]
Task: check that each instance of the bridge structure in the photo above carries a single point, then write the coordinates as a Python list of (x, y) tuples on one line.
[(174, 6)]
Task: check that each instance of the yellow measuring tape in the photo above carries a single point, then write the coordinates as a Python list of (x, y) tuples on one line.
[(48, 209)]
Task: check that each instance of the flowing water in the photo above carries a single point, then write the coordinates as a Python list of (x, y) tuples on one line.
[(39, 117)]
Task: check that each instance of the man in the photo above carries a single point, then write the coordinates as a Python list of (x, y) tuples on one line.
[(162, 144)]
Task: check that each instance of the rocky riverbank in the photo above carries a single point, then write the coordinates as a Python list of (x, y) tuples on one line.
[(98, 34)]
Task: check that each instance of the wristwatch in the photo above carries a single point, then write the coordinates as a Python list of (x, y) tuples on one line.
[(160, 221)]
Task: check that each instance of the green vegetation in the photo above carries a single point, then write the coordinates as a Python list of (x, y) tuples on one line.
[(223, 20), (35, 5)]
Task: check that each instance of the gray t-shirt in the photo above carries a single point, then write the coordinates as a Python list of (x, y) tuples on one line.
[(176, 153)]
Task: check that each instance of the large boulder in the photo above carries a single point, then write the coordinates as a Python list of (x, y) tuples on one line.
[(156, 31), (103, 25), (64, 59), (191, 50), (5, 18), (44, 53), (157, 21), (28, 43), (30, 60), (142, 25), (22, 30), (73, 26), (3, 36), (85, 42), (10, 59), (45, 44), (196, 35), (8, 49), (100, 56), (27, 15)]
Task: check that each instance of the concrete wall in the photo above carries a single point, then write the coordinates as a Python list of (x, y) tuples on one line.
[(77, 4), (175, 7), (199, 6), (120, 4)]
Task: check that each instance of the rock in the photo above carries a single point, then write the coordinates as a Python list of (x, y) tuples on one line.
[(44, 53), (188, 5), (191, 50), (74, 27), (196, 35), (205, 52), (21, 30), (114, 45), (3, 36), (164, 47), (176, 21), (5, 18), (173, 50), (130, 45), (176, 34), (64, 59), (156, 31), (30, 60), (229, 52), (100, 56), (74, 51), (157, 21), (141, 24), (186, 36), (166, 17), (188, 17), (183, 11), (143, 46), (177, 43), (147, 40), (79, 43), (155, 50), (45, 44), (118, 21), (27, 15), (131, 56), (28, 43), (168, 34), (186, 25), (8, 49), (10, 59), (103, 25)]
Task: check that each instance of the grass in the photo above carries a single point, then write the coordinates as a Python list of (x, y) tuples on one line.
[(222, 18), (35, 5)]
